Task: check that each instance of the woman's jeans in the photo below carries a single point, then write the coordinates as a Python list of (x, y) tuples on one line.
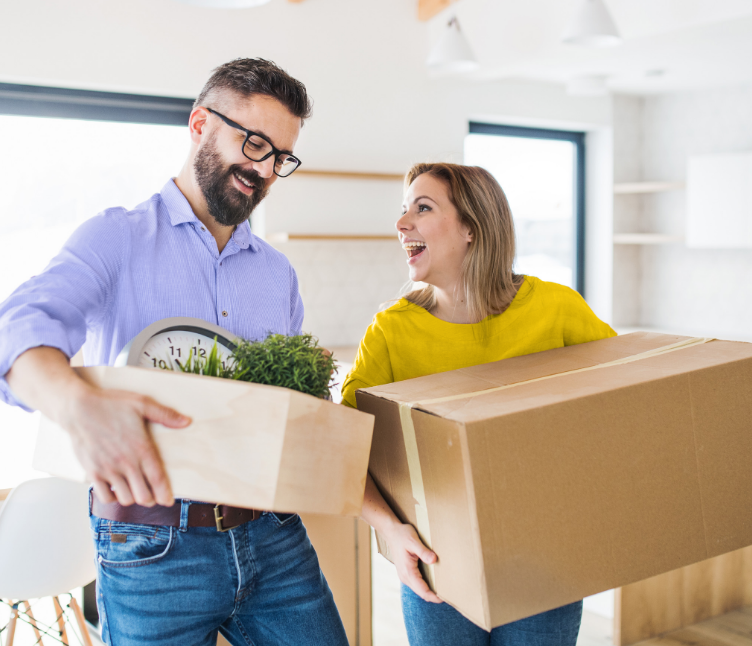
[(431, 624), (259, 583)]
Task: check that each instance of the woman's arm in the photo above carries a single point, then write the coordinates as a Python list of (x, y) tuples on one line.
[(404, 544)]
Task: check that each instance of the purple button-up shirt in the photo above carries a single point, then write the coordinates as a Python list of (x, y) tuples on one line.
[(123, 270)]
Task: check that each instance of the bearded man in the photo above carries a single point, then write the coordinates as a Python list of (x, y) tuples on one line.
[(165, 574)]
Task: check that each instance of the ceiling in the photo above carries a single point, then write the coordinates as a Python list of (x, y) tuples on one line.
[(668, 45)]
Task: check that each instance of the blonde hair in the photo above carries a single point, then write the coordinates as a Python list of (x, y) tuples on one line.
[(487, 281)]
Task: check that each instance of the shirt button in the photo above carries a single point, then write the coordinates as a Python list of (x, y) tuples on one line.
[(224, 312), (203, 229)]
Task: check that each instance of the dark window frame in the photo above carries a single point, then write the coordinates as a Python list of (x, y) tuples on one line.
[(92, 105), (576, 138)]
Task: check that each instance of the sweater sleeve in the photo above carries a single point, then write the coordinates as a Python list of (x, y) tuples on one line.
[(372, 365), (580, 322)]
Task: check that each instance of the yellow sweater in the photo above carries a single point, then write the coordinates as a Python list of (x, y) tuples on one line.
[(405, 341)]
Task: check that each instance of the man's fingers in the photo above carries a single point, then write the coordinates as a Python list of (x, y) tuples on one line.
[(158, 481), (103, 492), (121, 489), (169, 417), (139, 488)]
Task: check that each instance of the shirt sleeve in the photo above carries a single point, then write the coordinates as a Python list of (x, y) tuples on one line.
[(581, 325), (56, 307), (296, 305), (372, 366)]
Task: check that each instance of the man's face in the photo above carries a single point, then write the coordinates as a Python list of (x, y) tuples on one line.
[(232, 184)]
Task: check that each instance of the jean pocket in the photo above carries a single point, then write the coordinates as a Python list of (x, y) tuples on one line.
[(132, 545), (283, 519)]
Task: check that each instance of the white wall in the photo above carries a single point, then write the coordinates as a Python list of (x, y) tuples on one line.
[(696, 291), (375, 109)]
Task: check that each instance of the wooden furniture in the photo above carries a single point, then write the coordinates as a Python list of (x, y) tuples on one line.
[(683, 597)]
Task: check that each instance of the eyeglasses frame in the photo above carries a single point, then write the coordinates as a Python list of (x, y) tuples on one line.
[(248, 134)]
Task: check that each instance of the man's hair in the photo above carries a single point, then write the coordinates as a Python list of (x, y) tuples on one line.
[(249, 76)]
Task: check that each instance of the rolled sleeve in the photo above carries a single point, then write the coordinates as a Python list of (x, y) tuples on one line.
[(55, 308)]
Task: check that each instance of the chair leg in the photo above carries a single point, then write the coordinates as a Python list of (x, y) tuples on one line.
[(33, 623), (60, 620), (12, 626), (85, 637)]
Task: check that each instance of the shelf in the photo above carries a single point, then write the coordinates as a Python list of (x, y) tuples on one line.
[(633, 188), (341, 174), (329, 237), (646, 238)]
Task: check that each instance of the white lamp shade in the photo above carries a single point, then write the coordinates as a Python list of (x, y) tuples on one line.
[(225, 4), (452, 54), (592, 26)]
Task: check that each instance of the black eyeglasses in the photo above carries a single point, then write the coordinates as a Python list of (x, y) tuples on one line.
[(257, 148)]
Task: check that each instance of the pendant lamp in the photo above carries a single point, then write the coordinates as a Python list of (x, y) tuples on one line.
[(592, 26), (452, 54)]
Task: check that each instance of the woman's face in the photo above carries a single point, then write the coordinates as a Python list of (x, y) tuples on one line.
[(431, 233)]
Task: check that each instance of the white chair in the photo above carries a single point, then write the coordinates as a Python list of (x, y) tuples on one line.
[(46, 550)]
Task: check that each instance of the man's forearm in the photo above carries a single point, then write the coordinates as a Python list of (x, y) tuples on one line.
[(43, 379)]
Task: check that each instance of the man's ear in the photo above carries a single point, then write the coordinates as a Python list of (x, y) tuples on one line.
[(197, 124)]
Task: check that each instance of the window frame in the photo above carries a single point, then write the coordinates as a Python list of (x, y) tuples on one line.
[(578, 139), (93, 105)]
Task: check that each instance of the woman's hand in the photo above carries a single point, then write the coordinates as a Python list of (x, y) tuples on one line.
[(406, 549), (405, 546)]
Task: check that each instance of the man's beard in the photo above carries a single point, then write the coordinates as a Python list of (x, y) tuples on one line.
[(227, 205)]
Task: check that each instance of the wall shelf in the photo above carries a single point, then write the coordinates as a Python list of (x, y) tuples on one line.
[(634, 188), (341, 174), (646, 238)]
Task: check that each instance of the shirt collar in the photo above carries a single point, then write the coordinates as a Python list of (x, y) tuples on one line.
[(181, 212)]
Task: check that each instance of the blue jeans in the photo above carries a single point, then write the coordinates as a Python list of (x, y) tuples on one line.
[(259, 583), (431, 624)]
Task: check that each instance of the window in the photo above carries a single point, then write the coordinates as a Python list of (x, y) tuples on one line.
[(66, 156), (542, 174)]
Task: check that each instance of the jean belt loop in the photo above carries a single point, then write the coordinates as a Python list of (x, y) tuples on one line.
[(184, 506)]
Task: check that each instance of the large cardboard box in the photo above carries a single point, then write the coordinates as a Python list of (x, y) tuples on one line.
[(248, 445), (541, 479)]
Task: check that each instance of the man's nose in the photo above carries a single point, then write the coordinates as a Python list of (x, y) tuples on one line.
[(265, 168)]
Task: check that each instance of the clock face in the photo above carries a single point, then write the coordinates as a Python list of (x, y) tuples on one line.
[(169, 343), (172, 349)]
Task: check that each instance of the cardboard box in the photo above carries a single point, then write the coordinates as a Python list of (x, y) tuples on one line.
[(249, 445), (541, 479)]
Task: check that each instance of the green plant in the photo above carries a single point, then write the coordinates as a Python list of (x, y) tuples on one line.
[(296, 362)]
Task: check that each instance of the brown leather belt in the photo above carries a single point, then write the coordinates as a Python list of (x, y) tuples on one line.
[(200, 514)]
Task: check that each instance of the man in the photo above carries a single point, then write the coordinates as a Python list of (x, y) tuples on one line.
[(166, 575)]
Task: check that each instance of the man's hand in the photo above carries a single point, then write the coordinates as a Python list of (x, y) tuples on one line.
[(108, 427), (113, 444), (406, 548)]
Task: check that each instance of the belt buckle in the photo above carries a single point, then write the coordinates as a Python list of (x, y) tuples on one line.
[(218, 520)]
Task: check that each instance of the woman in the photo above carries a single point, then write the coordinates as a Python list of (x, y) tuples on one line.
[(457, 229)]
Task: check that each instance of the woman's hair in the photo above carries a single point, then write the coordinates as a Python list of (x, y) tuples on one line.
[(486, 277)]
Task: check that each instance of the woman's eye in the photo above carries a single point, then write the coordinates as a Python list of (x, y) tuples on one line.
[(423, 207)]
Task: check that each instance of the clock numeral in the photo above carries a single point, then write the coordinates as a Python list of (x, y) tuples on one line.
[(199, 352), (159, 364), (173, 350)]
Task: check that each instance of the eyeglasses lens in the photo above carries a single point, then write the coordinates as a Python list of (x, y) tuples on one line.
[(257, 148)]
